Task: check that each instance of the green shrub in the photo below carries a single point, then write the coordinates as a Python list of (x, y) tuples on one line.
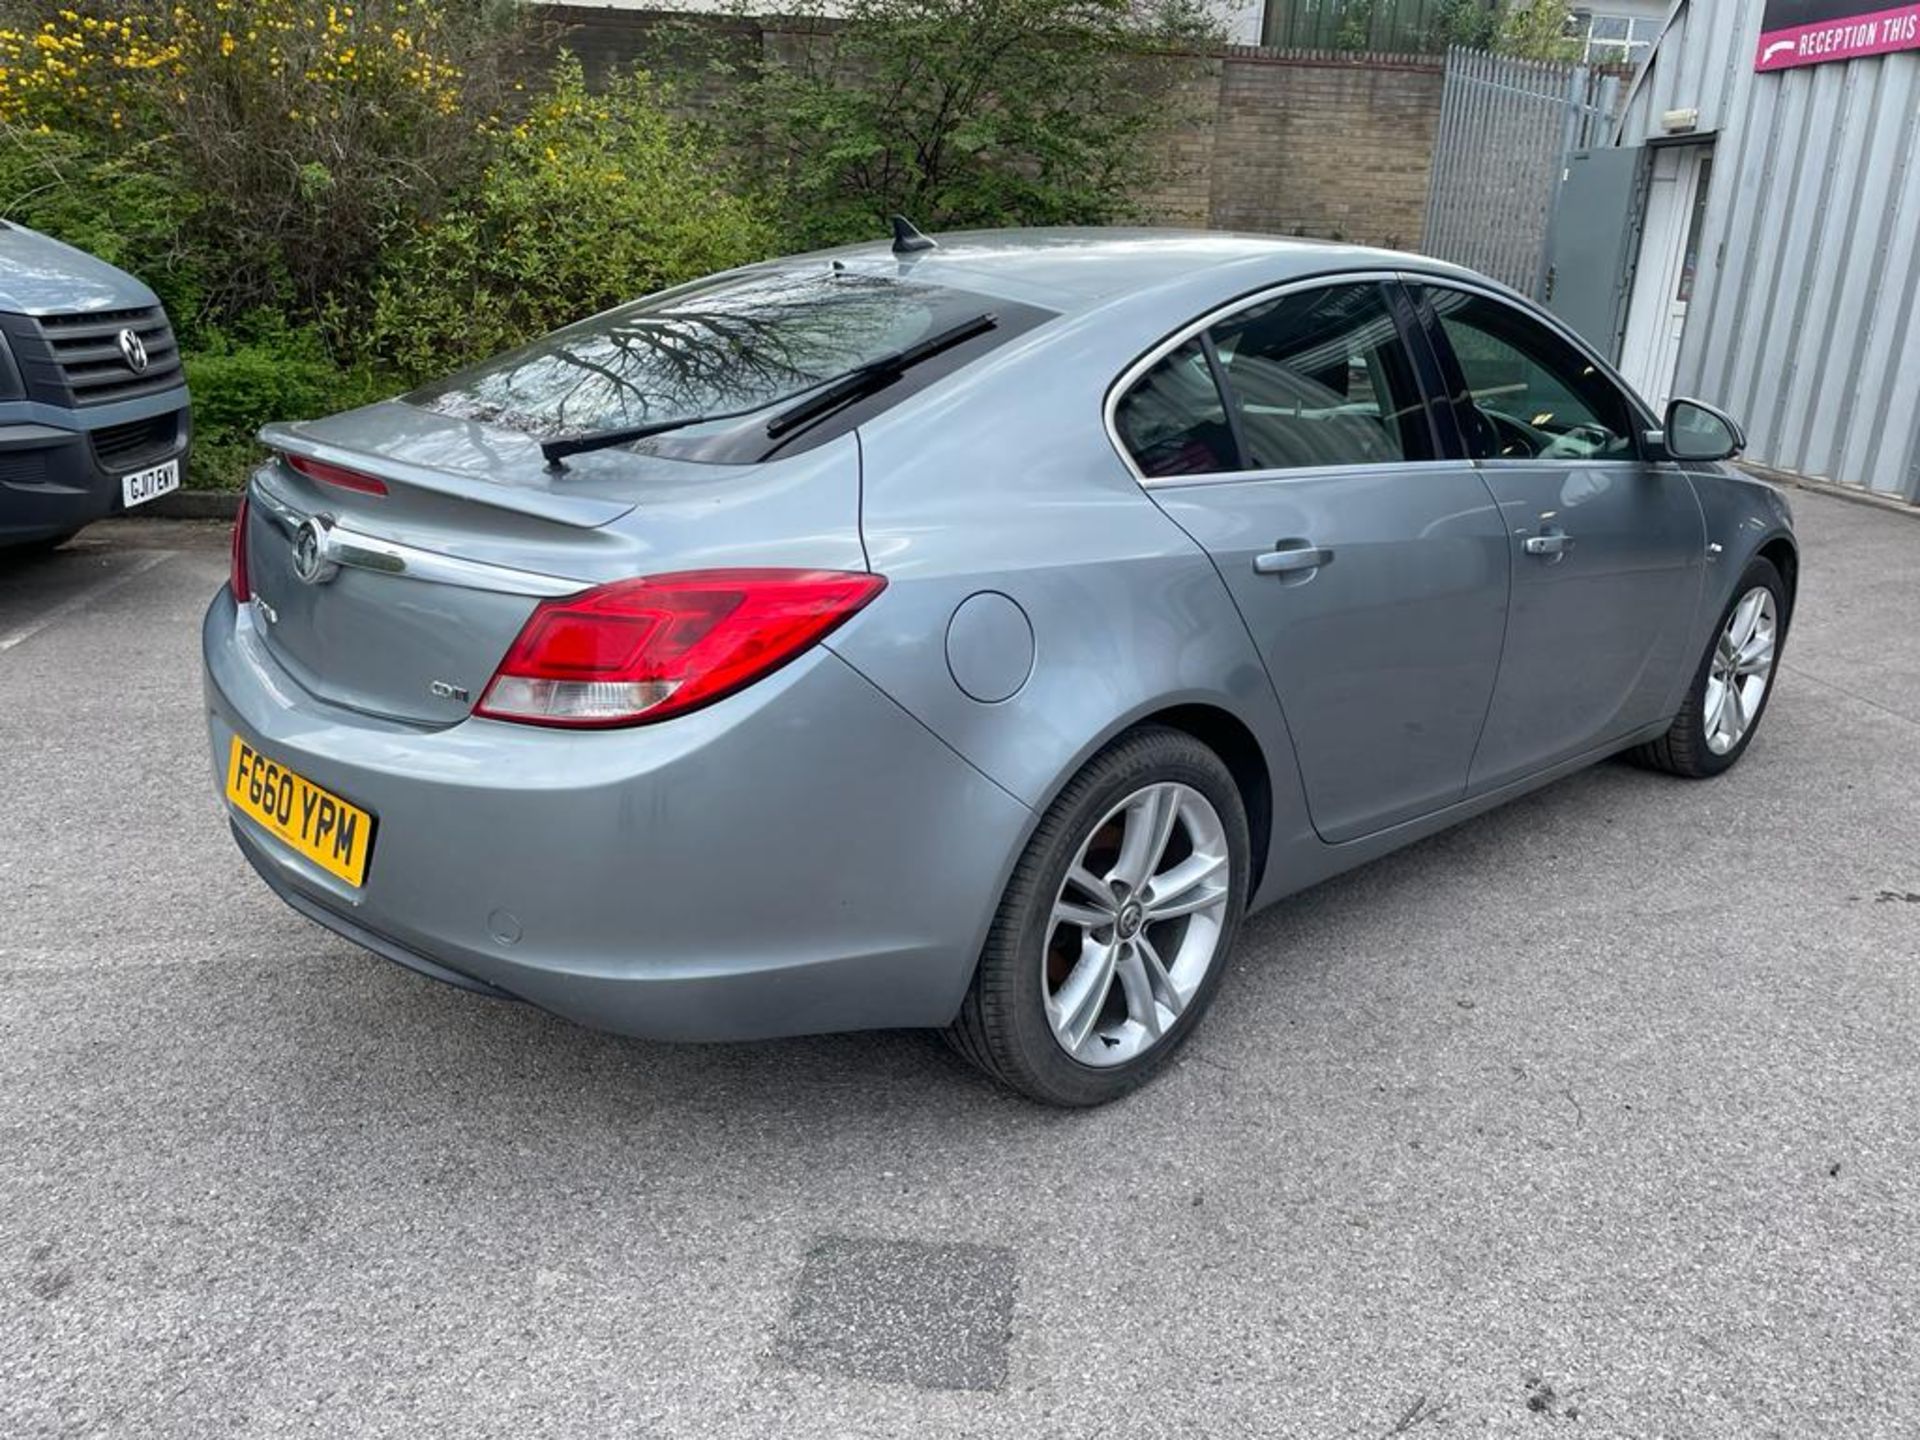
[(269, 372), (1537, 30), (591, 200), (328, 198), (1356, 26), (1474, 24), (128, 206), (274, 374), (964, 112), (302, 130)]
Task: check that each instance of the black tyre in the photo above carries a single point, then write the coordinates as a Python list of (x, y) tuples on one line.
[(1116, 926), (1730, 691)]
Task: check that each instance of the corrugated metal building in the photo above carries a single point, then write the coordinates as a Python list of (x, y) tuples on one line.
[(1778, 266)]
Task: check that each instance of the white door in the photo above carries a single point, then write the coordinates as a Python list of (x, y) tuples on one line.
[(1669, 263)]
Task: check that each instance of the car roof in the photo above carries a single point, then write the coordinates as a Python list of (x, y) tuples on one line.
[(1073, 269)]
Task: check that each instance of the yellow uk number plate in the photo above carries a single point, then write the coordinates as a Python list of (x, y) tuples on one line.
[(319, 824)]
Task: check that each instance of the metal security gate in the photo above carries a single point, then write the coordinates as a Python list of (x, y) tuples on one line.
[(1508, 130)]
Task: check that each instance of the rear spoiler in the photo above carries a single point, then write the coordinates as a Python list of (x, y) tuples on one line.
[(521, 489)]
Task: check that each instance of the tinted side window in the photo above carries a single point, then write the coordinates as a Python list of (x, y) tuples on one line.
[(1529, 394), (1172, 421), (1320, 377)]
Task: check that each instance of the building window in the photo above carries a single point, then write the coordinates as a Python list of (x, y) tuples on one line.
[(1623, 40)]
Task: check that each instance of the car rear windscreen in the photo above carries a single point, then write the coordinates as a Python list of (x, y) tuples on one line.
[(738, 343)]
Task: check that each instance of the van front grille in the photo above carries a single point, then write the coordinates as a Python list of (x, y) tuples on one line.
[(82, 359)]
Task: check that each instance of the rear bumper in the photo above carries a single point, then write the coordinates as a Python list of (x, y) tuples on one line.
[(801, 857), (54, 479)]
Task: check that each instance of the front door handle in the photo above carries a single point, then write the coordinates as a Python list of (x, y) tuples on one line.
[(1553, 543), (1292, 557)]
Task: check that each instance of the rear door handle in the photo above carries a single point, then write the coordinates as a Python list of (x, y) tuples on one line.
[(1553, 544), (1291, 558)]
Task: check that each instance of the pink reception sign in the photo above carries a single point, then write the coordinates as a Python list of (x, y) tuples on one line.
[(1814, 32)]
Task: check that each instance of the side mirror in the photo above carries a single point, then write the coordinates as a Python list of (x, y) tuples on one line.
[(1698, 432)]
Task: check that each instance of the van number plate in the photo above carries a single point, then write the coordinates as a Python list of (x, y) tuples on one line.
[(149, 484)]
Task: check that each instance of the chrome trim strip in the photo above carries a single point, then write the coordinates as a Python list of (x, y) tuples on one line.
[(1472, 285), (1306, 472), (351, 549), (356, 550)]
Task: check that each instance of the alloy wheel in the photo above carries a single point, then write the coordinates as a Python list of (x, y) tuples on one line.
[(1136, 925), (1741, 669)]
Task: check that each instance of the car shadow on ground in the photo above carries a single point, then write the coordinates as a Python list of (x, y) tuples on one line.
[(499, 1052)]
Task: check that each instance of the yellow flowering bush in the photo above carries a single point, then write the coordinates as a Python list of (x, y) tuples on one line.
[(251, 160), (304, 131), (46, 73), (83, 70), (590, 199), (336, 199)]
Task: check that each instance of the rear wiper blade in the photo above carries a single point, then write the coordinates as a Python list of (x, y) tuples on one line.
[(865, 379), (558, 450), (833, 394)]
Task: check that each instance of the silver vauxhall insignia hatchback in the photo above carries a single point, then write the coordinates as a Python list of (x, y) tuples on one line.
[(965, 636)]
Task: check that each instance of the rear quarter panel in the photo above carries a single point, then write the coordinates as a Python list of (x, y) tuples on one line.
[(1005, 481)]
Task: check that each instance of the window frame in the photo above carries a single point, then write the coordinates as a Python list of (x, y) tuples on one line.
[(1136, 376), (1628, 51), (1454, 378), (1435, 404)]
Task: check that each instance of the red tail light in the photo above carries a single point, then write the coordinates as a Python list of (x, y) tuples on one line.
[(237, 576), (337, 475), (637, 651)]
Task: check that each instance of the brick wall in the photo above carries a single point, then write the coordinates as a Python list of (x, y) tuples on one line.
[(1333, 146)]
